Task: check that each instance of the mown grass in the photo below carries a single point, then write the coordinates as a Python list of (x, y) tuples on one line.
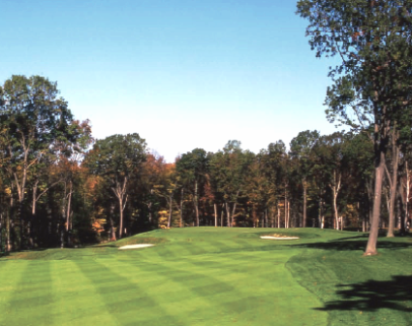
[(208, 276)]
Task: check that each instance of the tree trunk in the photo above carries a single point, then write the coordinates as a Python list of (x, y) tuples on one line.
[(374, 229), (63, 217), (278, 214), (222, 212), (233, 212), (272, 217), (286, 209), (335, 211), (254, 216), (112, 228), (304, 202), (9, 216), (229, 224), (215, 208), (401, 213), (149, 206), (181, 208), (287, 215), (35, 199), (33, 208), (169, 221), (21, 190), (120, 192), (8, 240), (61, 226), (121, 217), (320, 214), (368, 222), (335, 189), (393, 182), (69, 201), (196, 204), (20, 211)]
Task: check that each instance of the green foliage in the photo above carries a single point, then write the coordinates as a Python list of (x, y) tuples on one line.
[(372, 84), (117, 156), (301, 149), (118, 161), (374, 42)]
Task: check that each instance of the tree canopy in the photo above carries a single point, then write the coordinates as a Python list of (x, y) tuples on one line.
[(371, 86)]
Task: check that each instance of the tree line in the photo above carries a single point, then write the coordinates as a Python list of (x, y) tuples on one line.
[(60, 186)]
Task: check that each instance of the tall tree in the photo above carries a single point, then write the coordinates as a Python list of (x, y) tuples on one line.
[(301, 148), (374, 41), (32, 118), (277, 170), (192, 168), (118, 159), (358, 156), (155, 172), (330, 151)]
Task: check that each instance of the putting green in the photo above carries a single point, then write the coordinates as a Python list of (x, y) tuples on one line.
[(194, 276)]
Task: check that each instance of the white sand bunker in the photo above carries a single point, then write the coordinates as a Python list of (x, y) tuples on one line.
[(270, 237), (137, 246)]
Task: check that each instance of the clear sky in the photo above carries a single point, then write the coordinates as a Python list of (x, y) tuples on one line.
[(181, 73)]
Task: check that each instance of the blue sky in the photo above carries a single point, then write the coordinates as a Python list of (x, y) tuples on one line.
[(183, 74)]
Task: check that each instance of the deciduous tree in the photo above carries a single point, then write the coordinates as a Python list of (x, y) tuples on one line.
[(373, 39), (118, 158)]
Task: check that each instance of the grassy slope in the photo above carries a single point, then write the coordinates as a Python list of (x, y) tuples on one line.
[(207, 276)]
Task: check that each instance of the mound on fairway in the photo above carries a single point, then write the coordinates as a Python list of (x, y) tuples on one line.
[(212, 276), (136, 246)]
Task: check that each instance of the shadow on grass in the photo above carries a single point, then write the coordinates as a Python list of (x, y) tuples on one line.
[(395, 294), (350, 244), (104, 246), (8, 253)]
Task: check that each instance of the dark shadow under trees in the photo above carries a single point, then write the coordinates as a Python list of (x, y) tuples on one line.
[(354, 243), (395, 294)]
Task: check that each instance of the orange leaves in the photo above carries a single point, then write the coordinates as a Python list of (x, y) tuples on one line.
[(98, 225), (156, 169), (209, 195)]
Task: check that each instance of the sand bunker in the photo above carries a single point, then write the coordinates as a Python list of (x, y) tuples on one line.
[(137, 246), (278, 238)]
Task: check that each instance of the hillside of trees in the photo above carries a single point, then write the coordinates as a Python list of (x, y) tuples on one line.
[(61, 187)]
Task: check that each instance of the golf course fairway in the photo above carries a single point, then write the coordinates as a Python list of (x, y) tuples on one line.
[(212, 276)]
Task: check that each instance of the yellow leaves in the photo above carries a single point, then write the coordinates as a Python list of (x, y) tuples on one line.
[(98, 225), (8, 191), (163, 219)]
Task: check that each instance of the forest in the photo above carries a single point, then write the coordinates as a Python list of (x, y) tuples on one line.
[(61, 187), (312, 229)]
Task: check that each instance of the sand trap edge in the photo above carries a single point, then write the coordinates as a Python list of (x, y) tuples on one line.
[(278, 238), (136, 246)]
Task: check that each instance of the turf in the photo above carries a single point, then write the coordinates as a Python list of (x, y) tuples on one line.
[(208, 276)]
